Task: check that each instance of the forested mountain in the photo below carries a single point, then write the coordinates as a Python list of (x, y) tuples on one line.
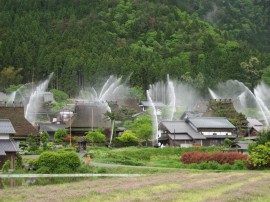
[(244, 19), (83, 42)]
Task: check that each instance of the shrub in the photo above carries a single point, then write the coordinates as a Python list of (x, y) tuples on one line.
[(225, 166), (69, 139), (18, 162), (32, 142), (264, 137), (33, 163), (22, 145), (57, 162), (43, 170), (63, 169), (239, 165), (95, 137), (6, 166), (44, 139), (228, 142), (70, 159), (127, 139), (260, 157), (222, 158), (59, 135)]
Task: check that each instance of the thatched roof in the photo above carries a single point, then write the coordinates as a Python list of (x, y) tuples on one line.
[(89, 115), (16, 116)]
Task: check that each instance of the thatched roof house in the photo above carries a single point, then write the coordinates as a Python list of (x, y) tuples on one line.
[(88, 116), (16, 116)]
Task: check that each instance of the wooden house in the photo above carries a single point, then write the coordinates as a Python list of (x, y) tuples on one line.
[(198, 131), (8, 147), (144, 105), (215, 129), (254, 127), (16, 116), (179, 133)]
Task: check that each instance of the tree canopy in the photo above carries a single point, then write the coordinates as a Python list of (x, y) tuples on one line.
[(83, 41)]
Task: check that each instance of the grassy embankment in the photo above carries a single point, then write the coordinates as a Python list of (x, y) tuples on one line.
[(156, 157), (178, 186)]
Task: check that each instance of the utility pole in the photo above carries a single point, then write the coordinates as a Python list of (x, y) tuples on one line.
[(70, 127)]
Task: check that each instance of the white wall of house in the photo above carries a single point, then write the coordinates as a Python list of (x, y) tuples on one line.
[(216, 133), (4, 136)]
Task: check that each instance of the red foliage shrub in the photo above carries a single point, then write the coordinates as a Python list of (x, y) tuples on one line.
[(67, 139), (220, 157)]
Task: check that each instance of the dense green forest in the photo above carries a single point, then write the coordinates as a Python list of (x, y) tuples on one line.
[(83, 42)]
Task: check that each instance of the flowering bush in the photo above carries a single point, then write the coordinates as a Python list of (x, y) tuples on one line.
[(222, 158)]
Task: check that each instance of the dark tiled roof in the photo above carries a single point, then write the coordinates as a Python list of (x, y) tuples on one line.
[(253, 122), (180, 137), (242, 144), (16, 116), (6, 127), (211, 122), (180, 127), (8, 146), (191, 114)]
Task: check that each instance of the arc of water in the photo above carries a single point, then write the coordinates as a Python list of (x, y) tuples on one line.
[(171, 92), (93, 92), (105, 86), (212, 94), (155, 120), (33, 104), (102, 97), (265, 111), (260, 104), (11, 97), (244, 92)]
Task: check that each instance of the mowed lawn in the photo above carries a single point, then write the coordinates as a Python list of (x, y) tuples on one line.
[(180, 186)]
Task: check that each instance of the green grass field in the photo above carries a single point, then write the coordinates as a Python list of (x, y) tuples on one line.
[(177, 186)]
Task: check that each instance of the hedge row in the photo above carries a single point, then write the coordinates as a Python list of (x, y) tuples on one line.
[(220, 157)]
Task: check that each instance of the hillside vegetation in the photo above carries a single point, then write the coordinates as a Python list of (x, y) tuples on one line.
[(83, 42)]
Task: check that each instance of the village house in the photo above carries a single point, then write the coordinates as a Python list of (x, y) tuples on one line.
[(88, 116), (254, 127), (179, 133), (144, 105), (199, 131), (16, 116), (8, 146)]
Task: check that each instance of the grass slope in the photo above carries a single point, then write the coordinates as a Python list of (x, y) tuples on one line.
[(179, 186)]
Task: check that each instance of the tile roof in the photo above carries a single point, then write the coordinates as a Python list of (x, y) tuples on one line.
[(253, 122), (8, 146), (211, 122), (6, 127), (180, 137), (180, 127), (16, 116)]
